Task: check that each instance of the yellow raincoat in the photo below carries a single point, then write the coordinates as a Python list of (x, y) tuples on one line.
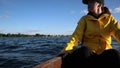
[(97, 33)]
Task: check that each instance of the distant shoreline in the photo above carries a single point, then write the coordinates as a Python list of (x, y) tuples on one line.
[(27, 35)]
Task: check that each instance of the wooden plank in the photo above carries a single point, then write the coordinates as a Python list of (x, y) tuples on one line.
[(52, 63)]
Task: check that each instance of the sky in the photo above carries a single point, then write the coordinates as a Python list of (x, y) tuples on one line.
[(54, 17)]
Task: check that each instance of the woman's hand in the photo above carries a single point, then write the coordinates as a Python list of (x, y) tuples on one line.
[(63, 54)]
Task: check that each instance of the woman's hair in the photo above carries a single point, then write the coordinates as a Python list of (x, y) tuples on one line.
[(106, 10), (86, 1)]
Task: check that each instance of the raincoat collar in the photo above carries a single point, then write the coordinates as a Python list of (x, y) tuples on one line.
[(102, 16)]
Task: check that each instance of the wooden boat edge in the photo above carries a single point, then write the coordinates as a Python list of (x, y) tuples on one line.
[(51, 63)]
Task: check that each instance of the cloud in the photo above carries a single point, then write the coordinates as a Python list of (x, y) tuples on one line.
[(117, 10), (84, 11), (1, 17), (7, 16), (68, 32), (72, 12), (2, 30), (30, 32), (7, 2)]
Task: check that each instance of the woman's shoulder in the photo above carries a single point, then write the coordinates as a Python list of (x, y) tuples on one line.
[(107, 15)]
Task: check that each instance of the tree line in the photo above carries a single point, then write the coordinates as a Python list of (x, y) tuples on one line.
[(27, 35)]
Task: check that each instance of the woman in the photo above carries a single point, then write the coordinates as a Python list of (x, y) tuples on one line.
[(94, 30)]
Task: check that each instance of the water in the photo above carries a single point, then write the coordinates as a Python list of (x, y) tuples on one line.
[(25, 52)]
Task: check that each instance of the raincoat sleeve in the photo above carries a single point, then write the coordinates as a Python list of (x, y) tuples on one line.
[(115, 29), (76, 36)]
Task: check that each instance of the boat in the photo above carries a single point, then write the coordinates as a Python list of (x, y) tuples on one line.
[(51, 63), (108, 58)]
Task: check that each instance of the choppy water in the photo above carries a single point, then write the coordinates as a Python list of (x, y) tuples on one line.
[(25, 52)]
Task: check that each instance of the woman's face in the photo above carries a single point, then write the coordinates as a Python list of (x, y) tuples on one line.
[(93, 6)]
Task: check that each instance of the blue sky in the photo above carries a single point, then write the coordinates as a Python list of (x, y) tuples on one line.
[(45, 16)]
